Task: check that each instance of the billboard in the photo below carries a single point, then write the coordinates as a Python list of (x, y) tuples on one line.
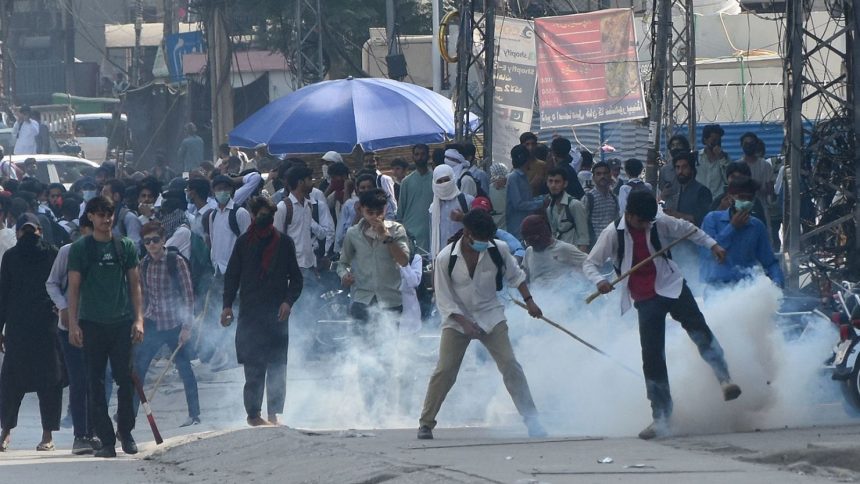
[(588, 69), (514, 77)]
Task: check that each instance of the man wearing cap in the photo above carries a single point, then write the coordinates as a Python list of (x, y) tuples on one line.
[(26, 132), (547, 259), (416, 195), (328, 159), (32, 362), (191, 149)]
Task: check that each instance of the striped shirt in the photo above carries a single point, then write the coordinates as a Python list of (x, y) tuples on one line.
[(169, 306)]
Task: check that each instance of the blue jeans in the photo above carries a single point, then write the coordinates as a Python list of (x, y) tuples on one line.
[(153, 340)]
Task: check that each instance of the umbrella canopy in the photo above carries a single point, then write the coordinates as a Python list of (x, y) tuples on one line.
[(338, 115)]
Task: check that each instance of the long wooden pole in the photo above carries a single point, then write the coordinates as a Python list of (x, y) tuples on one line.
[(642, 264)]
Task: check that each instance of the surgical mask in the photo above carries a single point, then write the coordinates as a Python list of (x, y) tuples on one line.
[(89, 195), (222, 197), (479, 246), (741, 205), (264, 221)]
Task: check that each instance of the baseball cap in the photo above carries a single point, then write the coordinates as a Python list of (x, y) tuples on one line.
[(27, 219), (482, 203)]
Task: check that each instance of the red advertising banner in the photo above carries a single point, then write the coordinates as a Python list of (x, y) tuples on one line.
[(588, 69)]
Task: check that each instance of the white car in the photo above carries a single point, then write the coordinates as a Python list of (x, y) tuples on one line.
[(58, 168), (93, 133)]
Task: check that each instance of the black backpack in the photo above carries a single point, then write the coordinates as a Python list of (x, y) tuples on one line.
[(480, 191), (495, 256), (315, 214), (172, 254), (568, 217), (209, 218), (655, 241)]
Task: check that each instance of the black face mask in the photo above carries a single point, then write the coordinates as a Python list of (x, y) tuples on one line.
[(264, 221), (28, 240)]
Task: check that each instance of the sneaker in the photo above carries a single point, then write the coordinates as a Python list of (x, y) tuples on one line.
[(191, 421), (129, 446), (536, 430), (106, 451), (730, 391), (95, 443), (658, 428), (81, 446), (425, 433)]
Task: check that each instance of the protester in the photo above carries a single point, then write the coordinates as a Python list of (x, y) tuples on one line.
[(560, 148), (399, 170), (147, 195), (105, 318), (416, 195), (25, 132), (723, 201), (455, 160), (294, 217), (744, 237), (328, 159), (668, 184), (125, 222), (691, 200), (385, 182), (516, 248), (482, 179), (711, 170), (264, 271), (56, 191), (633, 169), (448, 207), (585, 175), (601, 204), (28, 334), (535, 169), (520, 199), (468, 273), (566, 215), (200, 204), (657, 289), (373, 251), (548, 260), (498, 193), (190, 153)]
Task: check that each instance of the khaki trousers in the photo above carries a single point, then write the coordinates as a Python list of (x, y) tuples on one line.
[(452, 348)]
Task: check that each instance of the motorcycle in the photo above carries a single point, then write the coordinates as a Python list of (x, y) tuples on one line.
[(843, 364)]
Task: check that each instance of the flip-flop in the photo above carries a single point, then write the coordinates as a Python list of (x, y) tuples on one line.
[(45, 447)]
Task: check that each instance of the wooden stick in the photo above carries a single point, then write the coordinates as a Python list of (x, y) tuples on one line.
[(642, 264), (169, 363), (146, 409), (586, 343)]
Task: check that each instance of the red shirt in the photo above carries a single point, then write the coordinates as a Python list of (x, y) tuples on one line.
[(641, 282)]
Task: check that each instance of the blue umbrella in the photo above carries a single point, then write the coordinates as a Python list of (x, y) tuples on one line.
[(338, 115)]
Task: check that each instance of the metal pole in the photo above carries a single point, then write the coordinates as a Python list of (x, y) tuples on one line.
[(489, 79), (138, 51), (300, 76), (389, 24), (219, 77), (464, 51), (794, 131), (691, 74), (658, 85), (852, 18), (435, 59)]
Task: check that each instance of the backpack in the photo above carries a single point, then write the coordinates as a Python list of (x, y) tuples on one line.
[(209, 218), (119, 218), (464, 206), (637, 185), (495, 256), (93, 258), (480, 191), (592, 235), (315, 214), (655, 241), (568, 217), (74, 232), (61, 237)]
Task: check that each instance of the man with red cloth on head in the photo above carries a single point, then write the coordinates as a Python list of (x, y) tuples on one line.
[(264, 271)]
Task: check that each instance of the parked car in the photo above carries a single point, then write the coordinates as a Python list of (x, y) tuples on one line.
[(94, 131), (71, 148), (58, 168)]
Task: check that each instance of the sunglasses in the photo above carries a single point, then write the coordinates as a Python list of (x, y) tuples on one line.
[(151, 240)]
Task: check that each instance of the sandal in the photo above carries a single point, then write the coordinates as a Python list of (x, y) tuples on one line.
[(45, 447)]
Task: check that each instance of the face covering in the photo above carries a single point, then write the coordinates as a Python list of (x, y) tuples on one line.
[(89, 195), (222, 197), (264, 221), (749, 149), (28, 240), (479, 246), (741, 205)]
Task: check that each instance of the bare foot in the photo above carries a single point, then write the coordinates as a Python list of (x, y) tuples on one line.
[(257, 422)]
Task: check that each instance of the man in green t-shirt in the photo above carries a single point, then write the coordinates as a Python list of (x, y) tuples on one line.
[(105, 318)]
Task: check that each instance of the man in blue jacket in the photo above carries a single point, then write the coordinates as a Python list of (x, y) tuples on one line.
[(744, 237)]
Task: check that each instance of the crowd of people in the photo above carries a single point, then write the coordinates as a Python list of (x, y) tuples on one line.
[(97, 278)]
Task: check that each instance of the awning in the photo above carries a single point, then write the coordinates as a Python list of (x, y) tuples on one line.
[(251, 62), (121, 36)]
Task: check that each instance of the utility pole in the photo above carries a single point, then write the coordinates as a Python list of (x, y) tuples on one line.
[(171, 23), (793, 85), (138, 51), (435, 59), (658, 86), (221, 90), (69, 44), (681, 98), (309, 66)]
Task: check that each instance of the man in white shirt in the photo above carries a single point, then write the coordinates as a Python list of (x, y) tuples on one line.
[(26, 132), (385, 182), (658, 288), (468, 275), (294, 218), (549, 261)]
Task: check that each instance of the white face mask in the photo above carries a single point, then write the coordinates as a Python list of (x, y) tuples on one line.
[(446, 190)]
